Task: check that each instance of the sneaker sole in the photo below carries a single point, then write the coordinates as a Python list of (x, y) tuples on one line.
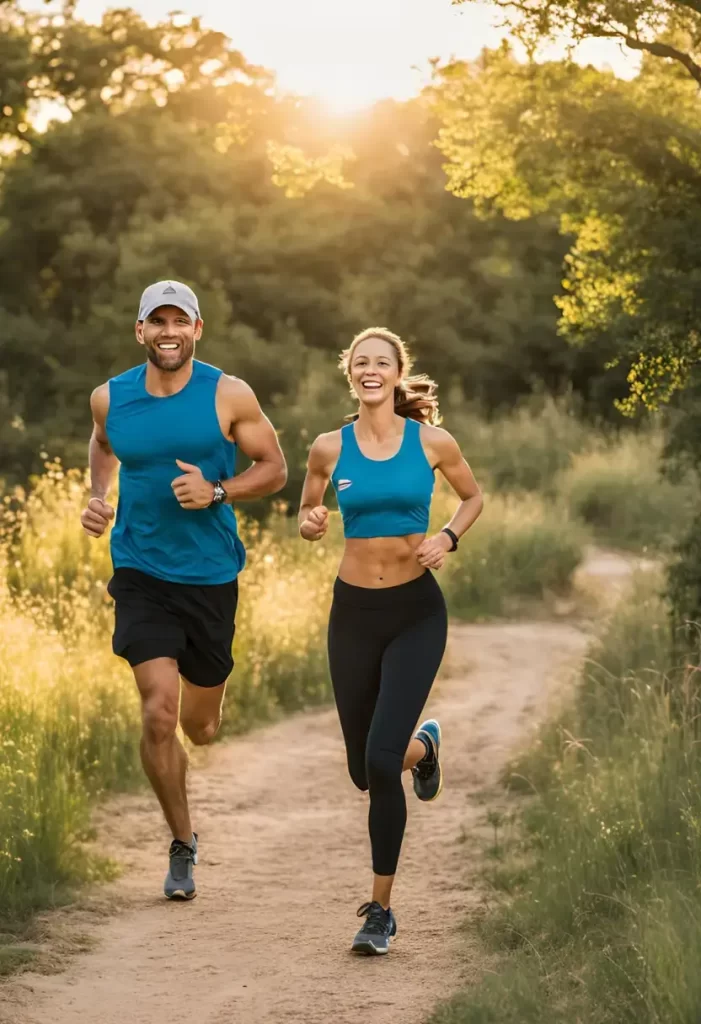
[(367, 949)]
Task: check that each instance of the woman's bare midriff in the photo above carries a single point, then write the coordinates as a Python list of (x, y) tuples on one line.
[(381, 561)]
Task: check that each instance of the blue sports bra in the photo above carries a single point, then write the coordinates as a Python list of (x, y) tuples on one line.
[(387, 497)]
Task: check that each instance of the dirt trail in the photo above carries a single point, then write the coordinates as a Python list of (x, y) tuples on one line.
[(284, 864)]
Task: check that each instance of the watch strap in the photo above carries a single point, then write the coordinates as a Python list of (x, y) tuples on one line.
[(453, 537), (219, 493)]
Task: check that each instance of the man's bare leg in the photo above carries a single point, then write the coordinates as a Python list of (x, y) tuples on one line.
[(200, 711), (162, 753)]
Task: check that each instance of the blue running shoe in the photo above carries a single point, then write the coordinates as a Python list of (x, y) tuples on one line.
[(428, 777), (179, 883), (380, 927)]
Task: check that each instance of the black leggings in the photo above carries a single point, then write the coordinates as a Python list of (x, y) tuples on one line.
[(385, 648)]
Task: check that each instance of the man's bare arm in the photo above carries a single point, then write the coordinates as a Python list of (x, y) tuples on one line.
[(256, 437), (102, 460)]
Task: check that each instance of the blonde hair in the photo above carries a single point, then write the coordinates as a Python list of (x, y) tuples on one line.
[(414, 396)]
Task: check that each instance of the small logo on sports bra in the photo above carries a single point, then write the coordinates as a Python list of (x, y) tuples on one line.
[(343, 485)]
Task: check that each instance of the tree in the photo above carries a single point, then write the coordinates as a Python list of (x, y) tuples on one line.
[(619, 163), (670, 29), (107, 201), (163, 169), (58, 58)]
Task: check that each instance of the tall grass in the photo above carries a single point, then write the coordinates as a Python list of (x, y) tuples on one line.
[(606, 927), (68, 732), (526, 450), (609, 480), (619, 491), (69, 716), (521, 548)]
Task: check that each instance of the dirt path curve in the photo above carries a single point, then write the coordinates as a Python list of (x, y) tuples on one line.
[(284, 864)]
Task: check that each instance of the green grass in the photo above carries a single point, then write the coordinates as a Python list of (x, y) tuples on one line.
[(526, 450), (608, 480), (519, 549), (15, 957), (619, 492), (603, 923)]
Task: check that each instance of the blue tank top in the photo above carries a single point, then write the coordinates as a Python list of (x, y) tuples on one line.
[(152, 532), (387, 497)]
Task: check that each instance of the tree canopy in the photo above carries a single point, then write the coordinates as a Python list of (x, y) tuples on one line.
[(619, 164), (159, 174), (670, 29)]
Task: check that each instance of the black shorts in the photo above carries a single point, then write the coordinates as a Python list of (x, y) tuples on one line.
[(157, 619)]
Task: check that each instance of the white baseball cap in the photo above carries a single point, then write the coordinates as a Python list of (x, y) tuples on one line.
[(169, 293)]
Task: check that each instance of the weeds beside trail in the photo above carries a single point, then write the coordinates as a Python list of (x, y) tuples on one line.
[(600, 915), (69, 715), (608, 480)]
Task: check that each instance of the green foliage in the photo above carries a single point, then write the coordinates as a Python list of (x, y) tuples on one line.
[(618, 163), (166, 168), (123, 60), (620, 492), (613, 482), (297, 175), (668, 29), (636, 641), (684, 589), (520, 548), (62, 743), (527, 449)]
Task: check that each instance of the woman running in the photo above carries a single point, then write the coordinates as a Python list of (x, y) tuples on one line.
[(388, 624)]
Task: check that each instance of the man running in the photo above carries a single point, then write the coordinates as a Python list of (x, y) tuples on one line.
[(173, 424)]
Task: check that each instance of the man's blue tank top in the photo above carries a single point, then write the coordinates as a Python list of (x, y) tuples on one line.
[(388, 497), (152, 532)]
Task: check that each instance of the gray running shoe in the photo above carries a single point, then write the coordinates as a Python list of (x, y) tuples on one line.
[(380, 927), (179, 883)]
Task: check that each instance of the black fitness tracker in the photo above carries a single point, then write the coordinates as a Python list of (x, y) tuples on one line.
[(452, 536)]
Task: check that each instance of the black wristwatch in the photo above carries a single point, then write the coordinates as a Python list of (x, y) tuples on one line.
[(219, 493), (452, 536)]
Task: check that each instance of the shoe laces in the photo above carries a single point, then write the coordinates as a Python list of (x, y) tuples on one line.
[(181, 851), (181, 854), (426, 766), (377, 918)]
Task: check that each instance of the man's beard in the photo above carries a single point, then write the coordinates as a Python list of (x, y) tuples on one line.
[(156, 356)]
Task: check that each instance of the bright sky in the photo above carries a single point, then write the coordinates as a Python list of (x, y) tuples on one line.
[(350, 54)]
